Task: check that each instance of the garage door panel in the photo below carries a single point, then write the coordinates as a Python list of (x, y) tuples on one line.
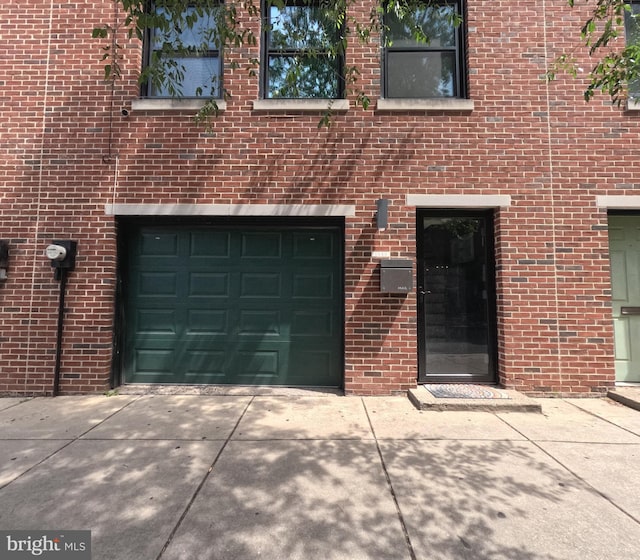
[(237, 306), (158, 244), (158, 284), (210, 244), (252, 362), (261, 323), (154, 360), (313, 323), (161, 321), (207, 321), (261, 245), (313, 286), (260, 285), (209, 284), (313, 246), (205, 363), (313, 368)]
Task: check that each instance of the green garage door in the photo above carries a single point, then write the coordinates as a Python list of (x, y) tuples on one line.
[(258, 306)]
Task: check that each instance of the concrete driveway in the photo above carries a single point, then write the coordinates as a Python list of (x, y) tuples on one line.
[(322, 477)]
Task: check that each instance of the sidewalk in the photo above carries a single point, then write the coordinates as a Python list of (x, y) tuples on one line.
[(323, 477)]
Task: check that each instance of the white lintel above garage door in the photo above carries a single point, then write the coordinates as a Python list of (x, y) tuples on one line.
[(619, 202), (458, 200), (318, 210)]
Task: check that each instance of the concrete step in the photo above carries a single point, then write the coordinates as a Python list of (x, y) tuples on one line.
[(508, 401), (628, 396)]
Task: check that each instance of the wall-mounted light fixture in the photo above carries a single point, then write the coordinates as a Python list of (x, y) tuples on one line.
[(4, 259), (382, 215)]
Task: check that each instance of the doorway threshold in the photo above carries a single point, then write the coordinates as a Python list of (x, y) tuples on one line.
[(470, 397)]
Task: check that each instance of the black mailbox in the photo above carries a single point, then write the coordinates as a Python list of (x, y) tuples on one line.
[(396, 276)]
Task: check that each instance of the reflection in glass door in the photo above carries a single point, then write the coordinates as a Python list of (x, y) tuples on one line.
[(456, 298)]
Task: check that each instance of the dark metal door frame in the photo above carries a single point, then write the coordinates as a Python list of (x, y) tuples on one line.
[(424, 376)]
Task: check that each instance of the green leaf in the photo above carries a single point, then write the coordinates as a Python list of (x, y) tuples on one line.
[(100, 32)]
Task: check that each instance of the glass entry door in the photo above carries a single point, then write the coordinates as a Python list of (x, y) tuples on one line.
[(456, 298)]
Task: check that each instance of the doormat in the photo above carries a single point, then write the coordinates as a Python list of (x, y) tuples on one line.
[(461, 391)]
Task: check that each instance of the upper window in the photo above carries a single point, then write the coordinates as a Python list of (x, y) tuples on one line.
[(182, 56), (424, 51), (302, 51), (632, 32)]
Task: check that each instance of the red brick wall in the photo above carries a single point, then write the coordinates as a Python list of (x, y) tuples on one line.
[(543, 145)]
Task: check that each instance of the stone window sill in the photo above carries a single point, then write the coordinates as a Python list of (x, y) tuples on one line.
[(633, 105), (301, 105), (173, 104), (444, 104)]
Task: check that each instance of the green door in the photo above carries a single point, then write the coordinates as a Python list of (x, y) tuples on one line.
[(624, 250), (258, 306)]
